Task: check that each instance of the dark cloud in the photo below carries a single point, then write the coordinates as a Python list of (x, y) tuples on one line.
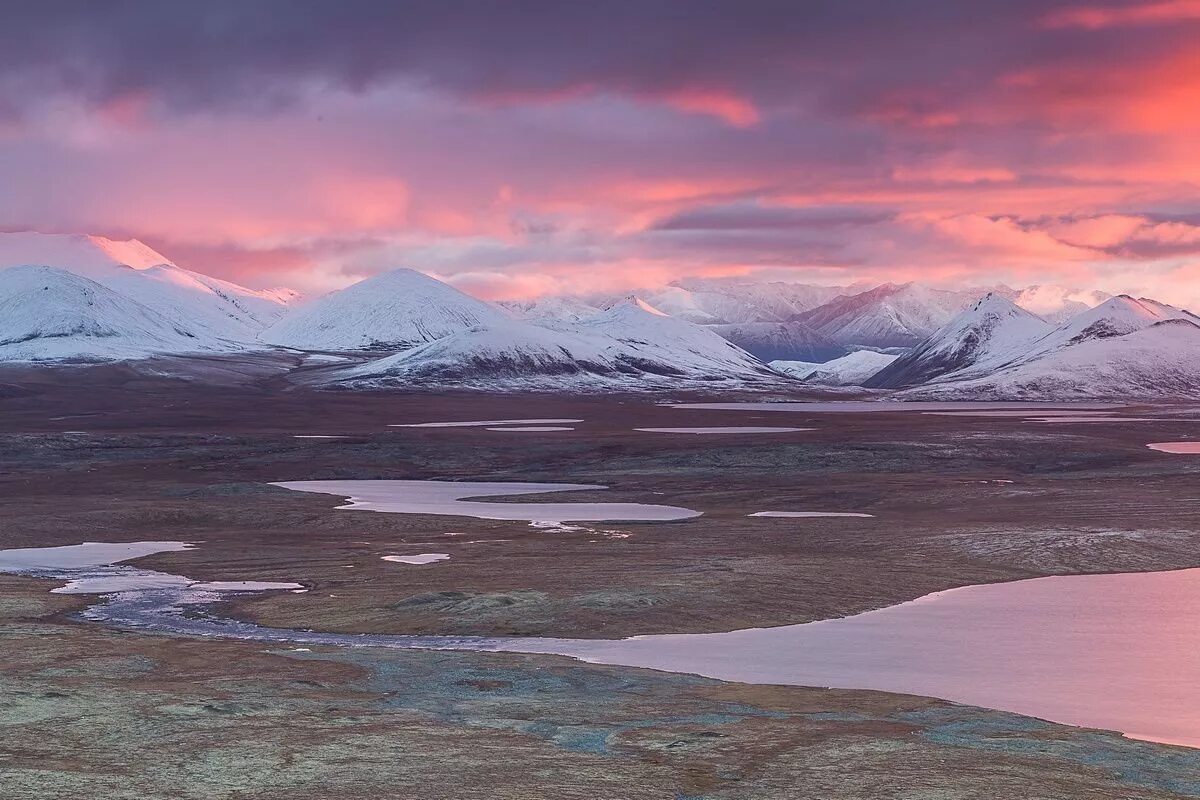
[(849, 55), (750, 216)]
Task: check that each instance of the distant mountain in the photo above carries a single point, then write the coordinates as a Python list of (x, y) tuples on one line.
[(849, 370), (390, 311), (713, 302), (630, 346), (889, 315), (993, 329), (883, 316), (49, 314), (1158, 362), (215, 307), (771, 341)]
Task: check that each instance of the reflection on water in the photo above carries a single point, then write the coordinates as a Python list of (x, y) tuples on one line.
[(451, 498), (1108, 651)]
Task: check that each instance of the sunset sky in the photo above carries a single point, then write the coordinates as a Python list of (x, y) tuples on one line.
[(525, 148)]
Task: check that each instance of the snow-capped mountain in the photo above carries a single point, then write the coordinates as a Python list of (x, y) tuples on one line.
[(992, 330), (630, 346), (209, 305), (1157, 362), (1125, 347), (49, 314), (390, 311), (889, 315), (849, 370), (770, 341)]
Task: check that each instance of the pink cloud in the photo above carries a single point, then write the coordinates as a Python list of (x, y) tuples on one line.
[(1099, 17), (724, 105)]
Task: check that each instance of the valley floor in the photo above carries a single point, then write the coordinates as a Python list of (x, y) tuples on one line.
[(109, 455)]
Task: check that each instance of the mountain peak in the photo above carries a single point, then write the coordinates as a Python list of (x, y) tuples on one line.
[(82, 254), (992, 330), (636, 303), (389, 311), (995, 303)]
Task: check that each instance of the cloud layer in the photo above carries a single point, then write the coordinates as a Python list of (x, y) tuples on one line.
[(543, 146)]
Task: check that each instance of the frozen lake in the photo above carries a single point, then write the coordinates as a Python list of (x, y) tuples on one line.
[(454, 498), (419, 559)]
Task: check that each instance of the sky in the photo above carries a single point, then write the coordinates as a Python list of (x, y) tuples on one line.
[(525, 148)]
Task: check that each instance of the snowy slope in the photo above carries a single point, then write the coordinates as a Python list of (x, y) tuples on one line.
[(50, 314), (216, 307), (993, 329), (771, 341), (889, 315), (1116, 317), (1158, 362), (628, 347), (668, 342), (509, 353), (390, 311), (849, 370)]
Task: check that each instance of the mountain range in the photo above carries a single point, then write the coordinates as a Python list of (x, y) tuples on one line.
[(628, 345), (1123, 348), (68, 299)]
